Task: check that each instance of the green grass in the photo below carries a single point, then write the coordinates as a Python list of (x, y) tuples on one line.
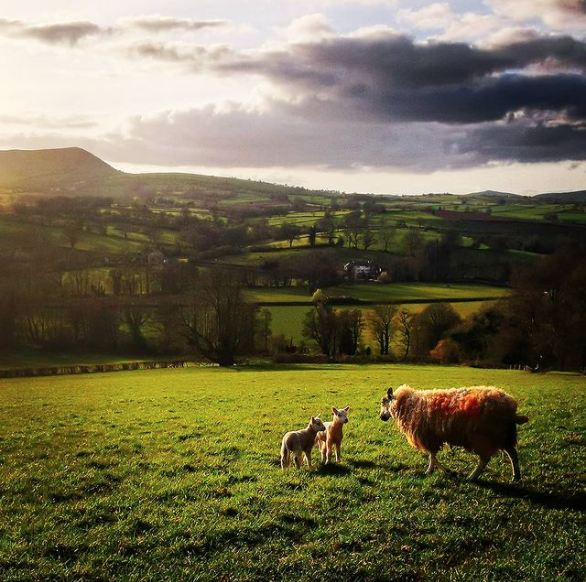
[(375, 292), (173, 475), (406, 292)]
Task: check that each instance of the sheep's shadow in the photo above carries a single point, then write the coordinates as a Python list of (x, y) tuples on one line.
[(363, 464), (333, 469), (572, 501)]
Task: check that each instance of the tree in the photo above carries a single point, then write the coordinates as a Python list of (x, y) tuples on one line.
[(405, 329), (432, 324), (321, 326), (368, 237), (290, 232), (135, 317), (312, 235), (73, 233), (353, 225), (263, 329), (382, 325), (351, 324), (413, 240), (220, 323), (386, 235)]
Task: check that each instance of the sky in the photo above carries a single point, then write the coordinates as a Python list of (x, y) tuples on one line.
[(381, 96)]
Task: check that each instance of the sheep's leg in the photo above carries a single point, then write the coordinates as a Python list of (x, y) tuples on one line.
[(338, 452), (308, 457), (284, 460), (512, 454), (322, 449), (479, 468), (432, 464), (298, 460), (328, 452)]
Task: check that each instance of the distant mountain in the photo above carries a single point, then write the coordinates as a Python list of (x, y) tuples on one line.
[(54, 169), (74, 171), (492, 194), (578, 196)]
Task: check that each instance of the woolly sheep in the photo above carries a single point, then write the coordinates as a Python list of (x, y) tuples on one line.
[(482, 419)]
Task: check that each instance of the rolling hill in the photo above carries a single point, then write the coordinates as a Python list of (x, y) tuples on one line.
[(67, 168), (578, 196), (74, 171)]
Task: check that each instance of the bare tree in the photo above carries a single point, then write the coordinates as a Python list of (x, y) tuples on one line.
[(413, 240), (220, 323), (386, 235), (381, 324), (350, 324), (135, 317), (321, 326), (405, 329)]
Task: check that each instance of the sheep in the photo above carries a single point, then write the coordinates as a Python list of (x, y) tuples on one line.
[(482, 419)]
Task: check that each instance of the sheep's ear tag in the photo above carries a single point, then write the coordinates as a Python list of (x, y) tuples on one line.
[(390, 393)]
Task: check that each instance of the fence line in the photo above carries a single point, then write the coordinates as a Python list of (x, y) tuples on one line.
[(89, 369)]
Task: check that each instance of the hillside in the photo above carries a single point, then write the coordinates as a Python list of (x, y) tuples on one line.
[(54, 169), (74, 171), (493, 194), (578, 196)]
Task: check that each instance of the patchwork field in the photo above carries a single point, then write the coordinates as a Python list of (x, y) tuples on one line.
[(173, 475)]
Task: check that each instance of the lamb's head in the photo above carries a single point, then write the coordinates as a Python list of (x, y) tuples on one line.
[(387, 406), (316, 424), (340, 414)]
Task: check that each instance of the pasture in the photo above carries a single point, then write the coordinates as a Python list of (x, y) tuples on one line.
[(173, 475)]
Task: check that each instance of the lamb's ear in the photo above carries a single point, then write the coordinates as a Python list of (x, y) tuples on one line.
[(347, 408), (334, 410), (390, 393), (312, 420)]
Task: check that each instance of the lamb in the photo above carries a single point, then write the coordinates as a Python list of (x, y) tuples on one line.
[(298, 442), (481, 419), (333, 435)]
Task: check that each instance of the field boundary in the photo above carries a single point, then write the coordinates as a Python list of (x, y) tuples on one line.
[(89, 369), (354, 301)]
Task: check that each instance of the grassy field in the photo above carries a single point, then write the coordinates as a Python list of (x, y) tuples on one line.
[(375, 292), (173, 475)]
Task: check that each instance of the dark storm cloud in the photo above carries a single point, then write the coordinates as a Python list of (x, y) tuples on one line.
[(541, 143), (385, 101)]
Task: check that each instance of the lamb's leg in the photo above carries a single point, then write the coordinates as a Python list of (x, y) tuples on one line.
[(298, 460), (479, 468), (338, 452), (512, 454), (328, 452), (308, 456), (322, 450), (284, 459)]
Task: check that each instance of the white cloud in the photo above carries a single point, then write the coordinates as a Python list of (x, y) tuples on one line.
[(557, 14)]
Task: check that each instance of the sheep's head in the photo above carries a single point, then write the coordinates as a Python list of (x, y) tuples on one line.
[(341, 414), (317, 424), (387, 406)]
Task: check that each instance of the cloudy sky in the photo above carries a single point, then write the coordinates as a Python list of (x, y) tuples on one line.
[(387, 96)]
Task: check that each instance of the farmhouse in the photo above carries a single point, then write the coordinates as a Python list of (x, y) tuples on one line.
[(360, 270)]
